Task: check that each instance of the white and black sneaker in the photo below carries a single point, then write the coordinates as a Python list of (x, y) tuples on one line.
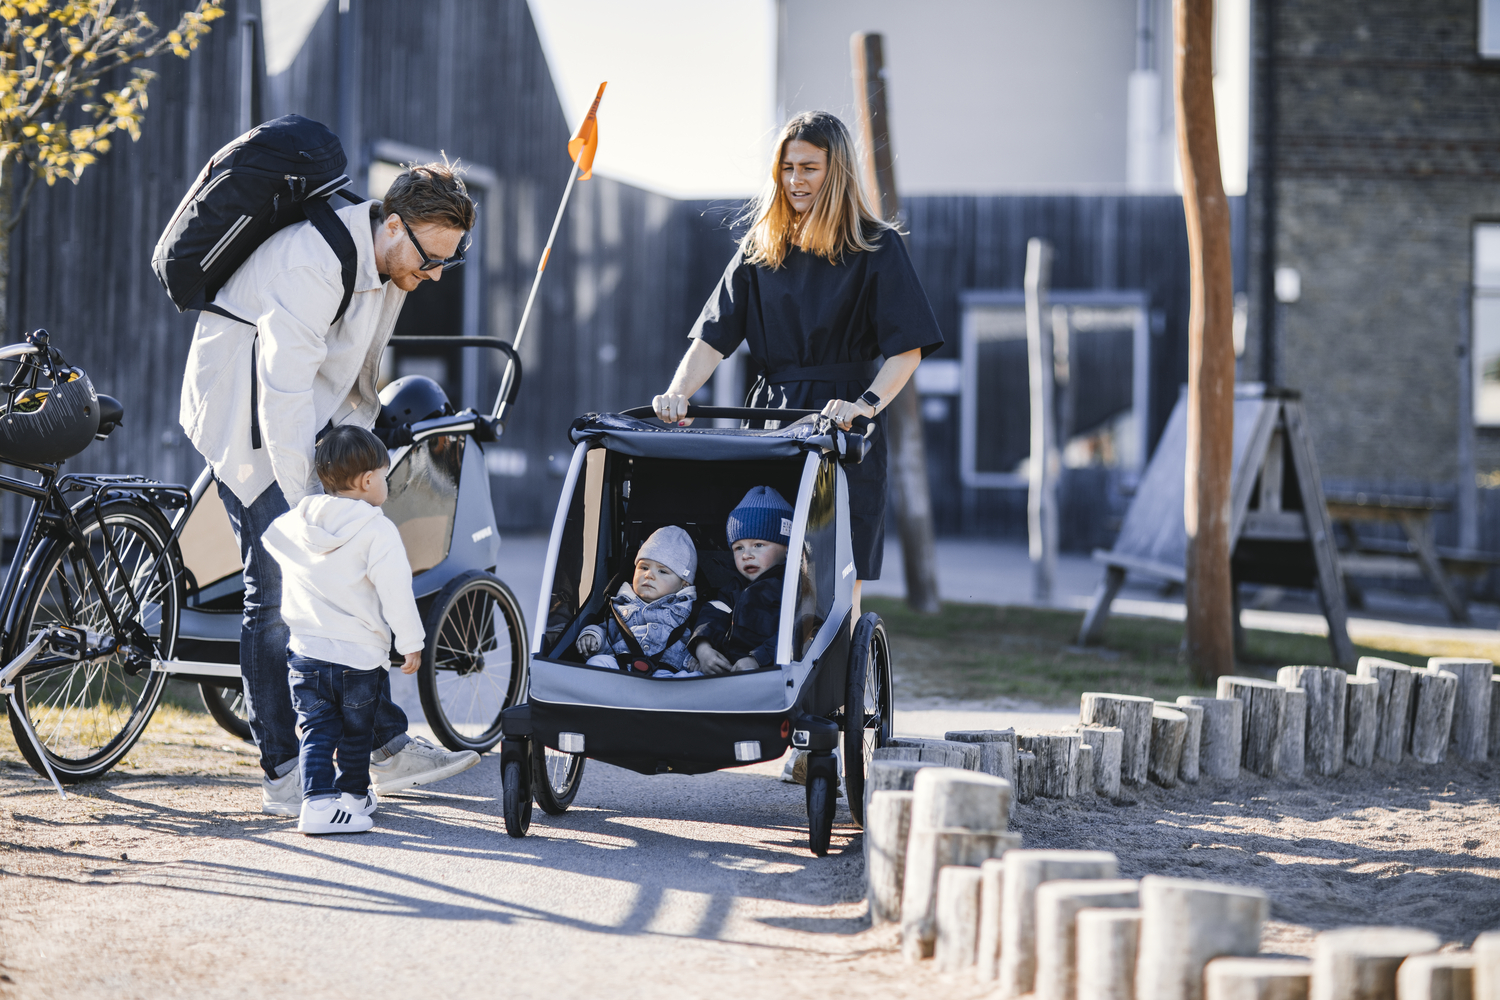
[(335, 815)]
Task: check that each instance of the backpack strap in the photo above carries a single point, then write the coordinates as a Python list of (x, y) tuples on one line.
[(327, 222)]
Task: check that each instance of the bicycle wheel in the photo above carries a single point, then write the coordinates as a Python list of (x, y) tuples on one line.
[(867, 707), (475, 662), (227, 706), (555, 777), (89, 713)]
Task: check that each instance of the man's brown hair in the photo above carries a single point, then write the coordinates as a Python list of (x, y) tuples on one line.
[(433, 193), (346, 453)]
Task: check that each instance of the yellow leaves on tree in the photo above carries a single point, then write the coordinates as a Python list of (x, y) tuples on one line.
[(54, 53)]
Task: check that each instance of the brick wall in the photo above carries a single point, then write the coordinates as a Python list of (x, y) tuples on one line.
[(1384, 146)]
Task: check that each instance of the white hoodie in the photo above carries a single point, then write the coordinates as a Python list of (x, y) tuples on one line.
[(345, 582)]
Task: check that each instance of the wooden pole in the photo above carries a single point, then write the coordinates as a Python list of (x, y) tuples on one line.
[(907, 447), (1210, 415), (1043, 468)]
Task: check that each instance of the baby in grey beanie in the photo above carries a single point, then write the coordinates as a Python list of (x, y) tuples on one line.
[(655, 605)]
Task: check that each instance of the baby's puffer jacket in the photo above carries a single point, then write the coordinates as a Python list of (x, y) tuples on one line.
[(652, 625)]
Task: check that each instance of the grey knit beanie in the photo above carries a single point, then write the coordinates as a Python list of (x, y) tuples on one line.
[(671, 547), (763, 514)]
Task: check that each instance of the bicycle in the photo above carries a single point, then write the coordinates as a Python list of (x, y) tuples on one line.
[(91, 601)]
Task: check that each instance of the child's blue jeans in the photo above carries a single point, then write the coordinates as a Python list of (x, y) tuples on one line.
[(336, 709)]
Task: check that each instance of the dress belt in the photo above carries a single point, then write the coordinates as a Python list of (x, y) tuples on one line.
[(855, 371)]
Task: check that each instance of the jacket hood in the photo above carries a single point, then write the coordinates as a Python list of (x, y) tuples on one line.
[(321, 524)]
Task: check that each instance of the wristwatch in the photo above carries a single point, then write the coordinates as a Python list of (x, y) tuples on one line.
[(872, 399)]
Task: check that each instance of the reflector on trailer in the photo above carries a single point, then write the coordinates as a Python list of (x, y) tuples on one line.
[(570, 742), (748, 750)]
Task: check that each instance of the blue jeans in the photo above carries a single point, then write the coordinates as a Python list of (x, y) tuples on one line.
[(263, 640), (336, 709)]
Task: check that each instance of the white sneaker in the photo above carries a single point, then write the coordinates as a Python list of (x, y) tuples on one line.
[(365, 806), (282, 796), (418, 763), (331, 815)]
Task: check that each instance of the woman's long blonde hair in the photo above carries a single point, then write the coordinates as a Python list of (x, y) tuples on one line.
[(840, 220)]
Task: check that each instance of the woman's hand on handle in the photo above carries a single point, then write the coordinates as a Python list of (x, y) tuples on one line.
[(671, 408), (692, 372), (842, 412), (889, 381)]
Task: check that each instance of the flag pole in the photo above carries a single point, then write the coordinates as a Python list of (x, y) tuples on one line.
[(541, 267)]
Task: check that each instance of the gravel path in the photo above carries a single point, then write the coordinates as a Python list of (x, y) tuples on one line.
[(164, 880)]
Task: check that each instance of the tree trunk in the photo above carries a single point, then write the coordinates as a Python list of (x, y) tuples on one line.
[(908, 451), (1210, 421)]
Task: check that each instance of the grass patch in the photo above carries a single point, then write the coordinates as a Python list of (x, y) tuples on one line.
[(982, 652)]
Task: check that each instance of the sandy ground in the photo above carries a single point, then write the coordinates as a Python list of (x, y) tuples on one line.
[(164, 879)]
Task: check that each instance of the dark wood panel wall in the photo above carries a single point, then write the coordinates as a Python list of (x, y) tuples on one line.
[(629, 274)]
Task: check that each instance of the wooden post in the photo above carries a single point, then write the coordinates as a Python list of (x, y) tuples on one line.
[(1057, 907), (887, 826), (1107, 942), (1107, 742), (1025, 776), (1261, 720), (1222, 739), (1442, 976), (1024, 872), (1184, 925), (1210, 414), (1470, 738), (957, 818), (957, 919), (1131, 713), (1192, 744), (907, 447), (1361, 720), (1168, 733), (1292, 759), (997, 749), (1392, 705), (1324, 731), (1432, 714), (991, 890), (1056, 764), (1043, 467), (1360, 963), (1257, 979), (1487, 966)]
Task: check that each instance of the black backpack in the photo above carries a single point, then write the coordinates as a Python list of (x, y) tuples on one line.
[(280, 172)]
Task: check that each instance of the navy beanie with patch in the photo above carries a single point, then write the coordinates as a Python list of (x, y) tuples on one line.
[(763, 514)]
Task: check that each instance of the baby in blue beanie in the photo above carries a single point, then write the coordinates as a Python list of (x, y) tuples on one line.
[(655, 606), (737, 631)]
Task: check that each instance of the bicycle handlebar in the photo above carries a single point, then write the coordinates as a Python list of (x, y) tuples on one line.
[(509, 387)]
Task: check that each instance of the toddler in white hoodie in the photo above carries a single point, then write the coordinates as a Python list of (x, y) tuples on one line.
[(346, 587)]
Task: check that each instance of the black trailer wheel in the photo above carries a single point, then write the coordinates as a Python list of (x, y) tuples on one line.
[(821, 804), (475, 662), (516, 800), (867, 707), (555, 777), (227, 706)]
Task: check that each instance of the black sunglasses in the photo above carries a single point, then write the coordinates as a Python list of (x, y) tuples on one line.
[(429, 263)]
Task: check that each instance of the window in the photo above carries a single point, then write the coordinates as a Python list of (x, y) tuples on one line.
[(1486, 319), (1489, 29)]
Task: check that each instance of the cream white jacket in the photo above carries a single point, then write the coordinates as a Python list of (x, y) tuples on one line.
[(311, 369), (345, 578)]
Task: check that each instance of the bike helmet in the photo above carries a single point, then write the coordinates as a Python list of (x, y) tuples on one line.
[(43, 425), (410, 399)]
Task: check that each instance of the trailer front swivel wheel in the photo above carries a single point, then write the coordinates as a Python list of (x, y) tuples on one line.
[(515, 785), (822, 799)]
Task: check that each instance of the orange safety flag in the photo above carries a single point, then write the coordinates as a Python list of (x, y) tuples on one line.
[(586, 140)]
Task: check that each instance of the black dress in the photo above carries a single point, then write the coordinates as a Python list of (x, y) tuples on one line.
[(817, 331)]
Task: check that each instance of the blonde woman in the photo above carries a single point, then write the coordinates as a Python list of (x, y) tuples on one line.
[(820, 290)]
